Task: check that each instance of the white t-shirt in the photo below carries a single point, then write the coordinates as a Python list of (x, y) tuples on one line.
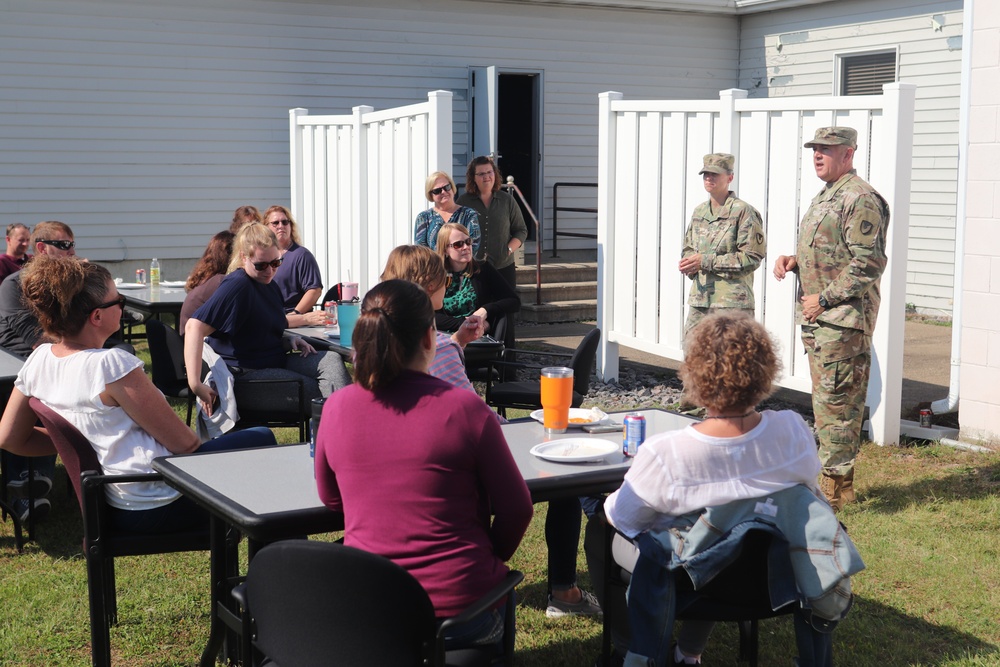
[(683, 471), (72, 387)]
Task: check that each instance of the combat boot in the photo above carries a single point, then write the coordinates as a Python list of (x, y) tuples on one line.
[(838, 489)]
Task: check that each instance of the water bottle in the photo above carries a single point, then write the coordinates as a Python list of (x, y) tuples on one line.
[(154, 273)]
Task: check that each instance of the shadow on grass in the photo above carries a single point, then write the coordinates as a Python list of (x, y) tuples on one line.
[(965, 482)]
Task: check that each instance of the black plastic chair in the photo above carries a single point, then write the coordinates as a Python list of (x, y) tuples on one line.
[(313, 603), (102, 543), (740, 593), (166, 351), (527, 394)]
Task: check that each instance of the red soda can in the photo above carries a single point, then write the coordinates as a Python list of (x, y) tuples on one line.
[(925, 418), (140, 276), (633, 433)]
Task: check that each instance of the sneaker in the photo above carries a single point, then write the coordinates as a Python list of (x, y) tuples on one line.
[(41, 509), (39, 487), (587, 606)]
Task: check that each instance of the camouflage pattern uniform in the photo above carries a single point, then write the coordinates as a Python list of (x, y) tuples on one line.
[(731, 243), (841, 257)]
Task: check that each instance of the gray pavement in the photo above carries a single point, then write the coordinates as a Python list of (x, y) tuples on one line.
[(926, 359)]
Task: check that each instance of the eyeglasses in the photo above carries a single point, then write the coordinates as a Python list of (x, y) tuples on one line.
[(458, 245), (485, 174), (274, 263), (280, 223), (443, 188), (120, 302), (62, 245)]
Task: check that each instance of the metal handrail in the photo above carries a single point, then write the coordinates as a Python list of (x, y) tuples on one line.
[(509, 185), (555, 214)]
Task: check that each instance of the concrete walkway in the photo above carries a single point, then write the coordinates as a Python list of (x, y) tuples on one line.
[(926, 359)]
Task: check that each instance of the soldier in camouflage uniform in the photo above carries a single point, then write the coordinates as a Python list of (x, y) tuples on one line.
[(839, 259), (723, 246)]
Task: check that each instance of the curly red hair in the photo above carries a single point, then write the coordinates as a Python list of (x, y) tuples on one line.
[(730, 363)]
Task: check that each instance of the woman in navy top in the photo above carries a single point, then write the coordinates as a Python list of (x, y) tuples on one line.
[(244, 322)]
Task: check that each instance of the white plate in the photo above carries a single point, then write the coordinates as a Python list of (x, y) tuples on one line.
[(332, 333), (591, 415), (575, 450), (129, 285), (172, 283)]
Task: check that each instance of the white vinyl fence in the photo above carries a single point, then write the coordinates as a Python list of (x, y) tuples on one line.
[(650, 153), (358, 181)]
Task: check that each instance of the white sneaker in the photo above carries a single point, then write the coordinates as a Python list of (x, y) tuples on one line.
[(39, 486), (587, 606), (40, 509)]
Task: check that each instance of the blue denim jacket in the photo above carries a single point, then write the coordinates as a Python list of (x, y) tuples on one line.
[(814, 547)]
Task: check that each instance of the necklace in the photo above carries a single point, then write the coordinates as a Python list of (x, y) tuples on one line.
[(743, 416)]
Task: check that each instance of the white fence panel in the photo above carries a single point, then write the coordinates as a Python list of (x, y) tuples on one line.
[(357, 181), (645, 200)]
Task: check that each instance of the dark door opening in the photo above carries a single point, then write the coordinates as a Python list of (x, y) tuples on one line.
[(518, 137)]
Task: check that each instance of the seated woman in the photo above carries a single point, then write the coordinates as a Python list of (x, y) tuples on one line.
[(422, 266), (245, 323), (244, 215), (105, 394), (443, 465), (476, 288), (207, 275), (440, 189), (736, 453), (298, 277)]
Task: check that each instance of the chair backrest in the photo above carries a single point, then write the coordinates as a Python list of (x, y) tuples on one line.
[(76, 452), (583, 360), (166, 352), (314, 600)]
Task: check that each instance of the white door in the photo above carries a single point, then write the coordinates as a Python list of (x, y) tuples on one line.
[(483, 111)]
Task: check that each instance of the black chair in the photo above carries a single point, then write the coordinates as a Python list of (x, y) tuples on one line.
[(373, 611), (102, 543), (7, 509), (527, 394), (740, 593), (166, 351)]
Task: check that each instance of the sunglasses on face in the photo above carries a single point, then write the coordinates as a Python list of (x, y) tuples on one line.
[(458, 245), (443, 188), (274, 263), (280, 223), (118, 301), (62, 245)]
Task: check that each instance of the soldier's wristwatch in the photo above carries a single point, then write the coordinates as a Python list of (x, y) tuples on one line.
[(823, 303)]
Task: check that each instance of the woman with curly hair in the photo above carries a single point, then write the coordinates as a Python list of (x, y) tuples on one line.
[(207, 275), (735, 453), (105, 394)]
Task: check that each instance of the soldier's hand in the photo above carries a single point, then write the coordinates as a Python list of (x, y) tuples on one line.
[(811, 308), (785, 264), (690, 265)]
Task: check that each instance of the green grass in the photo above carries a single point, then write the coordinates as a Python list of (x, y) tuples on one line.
[(925, 523)]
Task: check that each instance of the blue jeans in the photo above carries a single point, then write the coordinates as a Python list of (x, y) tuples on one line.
[(183, 513)]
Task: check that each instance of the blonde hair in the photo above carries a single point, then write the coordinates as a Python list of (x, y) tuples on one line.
[(444, 234), (252, 236), (429, 184), (418, 264), (291, 220)]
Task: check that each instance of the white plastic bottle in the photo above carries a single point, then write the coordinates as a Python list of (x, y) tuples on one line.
[(154, 273)]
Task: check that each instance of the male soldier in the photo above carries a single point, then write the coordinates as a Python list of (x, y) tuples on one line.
[(723, 246), (840, 258)]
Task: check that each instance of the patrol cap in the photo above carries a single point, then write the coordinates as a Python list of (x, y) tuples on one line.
[(718, 163), (834, 136)]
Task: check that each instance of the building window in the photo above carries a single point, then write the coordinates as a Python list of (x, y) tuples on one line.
[(865, 73)]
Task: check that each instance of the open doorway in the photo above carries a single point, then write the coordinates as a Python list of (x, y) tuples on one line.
[(506, 123)]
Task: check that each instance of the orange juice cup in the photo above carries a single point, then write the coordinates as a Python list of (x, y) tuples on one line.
[(557, 396)]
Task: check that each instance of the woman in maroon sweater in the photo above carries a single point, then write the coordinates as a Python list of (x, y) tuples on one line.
[(418, 466)]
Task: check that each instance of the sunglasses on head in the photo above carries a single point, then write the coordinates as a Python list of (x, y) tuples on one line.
[(118, 301), (458, 245), (274, 263), (281, 223), (443, 188), (62, 245)]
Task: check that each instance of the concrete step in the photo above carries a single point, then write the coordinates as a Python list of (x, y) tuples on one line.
[(559, 311), (569, 291), (560, 272)]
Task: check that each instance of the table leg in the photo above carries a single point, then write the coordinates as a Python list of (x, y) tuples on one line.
[(221, 567)]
